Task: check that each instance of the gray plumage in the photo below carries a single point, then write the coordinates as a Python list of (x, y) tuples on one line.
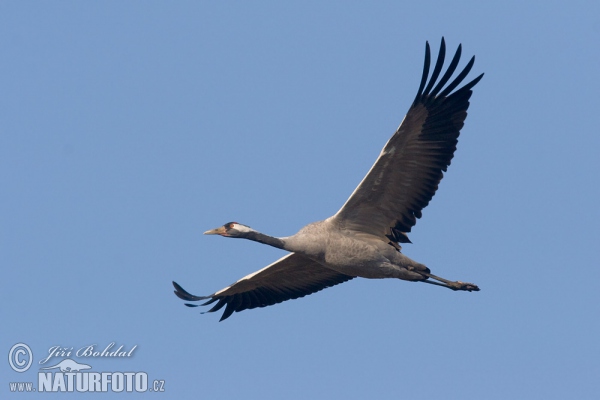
[(363, 238)]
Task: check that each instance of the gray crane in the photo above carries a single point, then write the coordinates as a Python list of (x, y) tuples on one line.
[(363, 238)]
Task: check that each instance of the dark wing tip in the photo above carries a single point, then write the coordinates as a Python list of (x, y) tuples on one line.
[(425, 72), (474, 82), (184, 295), (226, 314), (439, 64), (430, 92)]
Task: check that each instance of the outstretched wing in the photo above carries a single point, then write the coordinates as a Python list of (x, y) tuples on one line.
[(288, 278), (406, 175)]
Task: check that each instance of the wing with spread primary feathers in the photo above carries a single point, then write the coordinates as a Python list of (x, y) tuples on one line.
[(406, 175), (290, 277)]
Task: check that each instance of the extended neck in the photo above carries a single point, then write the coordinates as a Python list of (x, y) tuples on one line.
[(266, 239)]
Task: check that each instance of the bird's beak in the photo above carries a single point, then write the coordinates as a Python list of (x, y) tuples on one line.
[(218, 231)]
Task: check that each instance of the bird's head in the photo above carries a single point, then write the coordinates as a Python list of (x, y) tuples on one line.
[(230, 229)]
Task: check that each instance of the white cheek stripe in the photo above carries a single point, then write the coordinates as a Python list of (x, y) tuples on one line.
[(242, 228)]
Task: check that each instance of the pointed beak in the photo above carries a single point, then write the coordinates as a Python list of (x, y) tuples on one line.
[(218, 231)]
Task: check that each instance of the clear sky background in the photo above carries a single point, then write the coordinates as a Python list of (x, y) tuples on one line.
[(129, 128)]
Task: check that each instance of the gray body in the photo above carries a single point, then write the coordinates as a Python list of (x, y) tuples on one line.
[(352, 253)]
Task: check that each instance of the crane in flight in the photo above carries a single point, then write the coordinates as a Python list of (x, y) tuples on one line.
[(363, 238)]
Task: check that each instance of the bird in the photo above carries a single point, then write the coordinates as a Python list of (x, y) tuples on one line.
[(363, 239)]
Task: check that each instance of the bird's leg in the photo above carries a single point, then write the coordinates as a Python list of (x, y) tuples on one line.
[(457, 285)]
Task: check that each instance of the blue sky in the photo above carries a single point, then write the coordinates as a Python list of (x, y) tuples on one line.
[(129, 128)]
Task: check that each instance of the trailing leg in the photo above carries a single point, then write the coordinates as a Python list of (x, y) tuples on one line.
[(456, 285)]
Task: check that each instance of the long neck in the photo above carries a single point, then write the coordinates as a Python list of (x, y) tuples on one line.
[(266, 239)]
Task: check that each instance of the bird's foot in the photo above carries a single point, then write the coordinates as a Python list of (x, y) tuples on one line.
[(458, 285)]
